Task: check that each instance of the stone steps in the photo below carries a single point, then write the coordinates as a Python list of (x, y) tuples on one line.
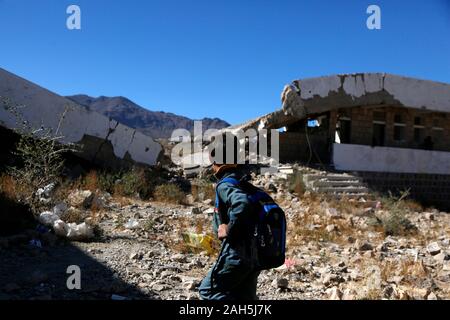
[(338, 185)]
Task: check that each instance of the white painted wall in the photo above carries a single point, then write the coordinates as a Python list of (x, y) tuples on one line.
[(352, 157), (409, 92), (45, 108)]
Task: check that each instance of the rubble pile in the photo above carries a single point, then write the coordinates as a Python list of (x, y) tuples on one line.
[(336, 249)]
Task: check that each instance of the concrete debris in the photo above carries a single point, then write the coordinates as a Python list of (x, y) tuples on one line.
[(104, 141), (433, 248), (48, 218), (81, 199), (332, 252)]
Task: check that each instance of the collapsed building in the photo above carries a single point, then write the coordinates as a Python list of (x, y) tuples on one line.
[(102, 140), (392, 132)]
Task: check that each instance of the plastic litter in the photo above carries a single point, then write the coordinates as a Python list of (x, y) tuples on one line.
[(199, 241), (132, 224), (80, 231), (46, 191), (73, 231)]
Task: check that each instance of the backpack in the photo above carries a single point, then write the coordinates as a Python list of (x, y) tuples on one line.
[(269, 225)]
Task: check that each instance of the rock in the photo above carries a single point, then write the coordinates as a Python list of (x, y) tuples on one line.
[(207, 202), (47, 191), (270, 187), (363, 246), (281, 283), (429, 216), (332, 213), (446, 266), (331, 228), (179, 257), (102, 201), (81, 198), (334, 293), (190, 199), (432, 296), (349, 294), (48, 218), (441, 257), (136, 256), (433, 248), (189, 285), (159, 287), (418, 293), (331, 278), (395, 279), (196, 210), (60, 209), (388, 291), (209, 211)]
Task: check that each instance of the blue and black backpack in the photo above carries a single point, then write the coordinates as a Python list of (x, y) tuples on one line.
[(268, 225)]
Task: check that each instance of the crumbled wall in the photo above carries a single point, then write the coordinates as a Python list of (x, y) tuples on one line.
[(44, 108), (317, 95)]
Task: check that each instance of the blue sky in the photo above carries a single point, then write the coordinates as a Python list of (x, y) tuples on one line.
[(217, 58)]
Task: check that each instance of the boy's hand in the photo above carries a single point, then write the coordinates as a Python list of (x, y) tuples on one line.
[(222, 232)]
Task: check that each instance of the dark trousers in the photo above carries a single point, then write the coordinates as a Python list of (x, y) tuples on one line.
[(230, 278)]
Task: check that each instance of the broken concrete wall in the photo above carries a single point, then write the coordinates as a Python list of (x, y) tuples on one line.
[(317, 95), (44, 108)]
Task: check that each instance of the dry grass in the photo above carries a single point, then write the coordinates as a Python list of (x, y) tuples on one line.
[(311, 224), (91, 181), (197, 225), (73, 215), (296, 184), (169, 193), (8, 186), (203, 190)]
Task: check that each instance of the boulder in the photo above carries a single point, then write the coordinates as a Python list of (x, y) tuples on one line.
[(433, 248)]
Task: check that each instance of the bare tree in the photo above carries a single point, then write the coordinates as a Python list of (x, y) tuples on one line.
[(40, 153)]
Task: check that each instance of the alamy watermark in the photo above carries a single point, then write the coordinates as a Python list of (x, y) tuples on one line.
[(74, 280), (241, 147), (374, 20), (73, 22)]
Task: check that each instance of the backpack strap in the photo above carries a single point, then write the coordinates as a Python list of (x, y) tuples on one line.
[(229, 180)]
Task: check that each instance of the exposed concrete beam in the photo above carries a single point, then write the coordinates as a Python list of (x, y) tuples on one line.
[(104, 140)]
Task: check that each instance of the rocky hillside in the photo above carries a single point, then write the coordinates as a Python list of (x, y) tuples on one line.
[(156, 124)]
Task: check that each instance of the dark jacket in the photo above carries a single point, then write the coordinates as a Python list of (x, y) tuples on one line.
[(235, 210)]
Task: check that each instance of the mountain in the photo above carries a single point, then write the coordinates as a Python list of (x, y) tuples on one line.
[(156, 124)]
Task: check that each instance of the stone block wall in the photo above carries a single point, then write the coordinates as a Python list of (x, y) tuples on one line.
[(429, 189)]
